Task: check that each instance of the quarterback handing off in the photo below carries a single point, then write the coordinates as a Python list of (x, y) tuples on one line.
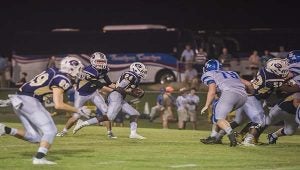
[(127, 84), (37, 121)]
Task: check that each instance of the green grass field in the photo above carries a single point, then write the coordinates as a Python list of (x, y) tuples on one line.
[(163, 149)]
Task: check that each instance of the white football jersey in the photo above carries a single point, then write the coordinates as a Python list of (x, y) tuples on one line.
[(224, 80), (193, 101), (181, 103)]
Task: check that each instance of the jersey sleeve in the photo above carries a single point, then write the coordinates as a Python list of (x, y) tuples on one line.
[(207, 78), (62, 82)]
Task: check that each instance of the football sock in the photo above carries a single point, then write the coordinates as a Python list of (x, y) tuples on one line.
[(228, 130), (274, 135), (213, 133), (92, 121), (133, 127), (65, 130), (42, 152)]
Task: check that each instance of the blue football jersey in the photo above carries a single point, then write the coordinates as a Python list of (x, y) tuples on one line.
[(265, 82), (43, 83), (92, 80)]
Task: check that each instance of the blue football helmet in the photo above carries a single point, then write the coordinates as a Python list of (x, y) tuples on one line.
[(212, 65), (294, 56)]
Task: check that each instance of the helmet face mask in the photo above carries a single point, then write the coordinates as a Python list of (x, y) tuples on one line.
[(71, 66), (278, 66), (212, 65), (98, 60), (139, 68)]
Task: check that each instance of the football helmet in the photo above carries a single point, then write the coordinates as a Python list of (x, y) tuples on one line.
[(139, 68), (72, 66), (294, 56), (212, 65), (98, 60), (278, 66)]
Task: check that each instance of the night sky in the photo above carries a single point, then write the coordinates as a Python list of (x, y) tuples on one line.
[(42, 16)]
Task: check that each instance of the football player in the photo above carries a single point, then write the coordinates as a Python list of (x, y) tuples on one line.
[(233, 94), (127, 83), (27, 104), (94, 77), (286, 109)]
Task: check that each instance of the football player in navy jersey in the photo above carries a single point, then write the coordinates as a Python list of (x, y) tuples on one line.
[(127, 83), (93, 77), (37, 121)]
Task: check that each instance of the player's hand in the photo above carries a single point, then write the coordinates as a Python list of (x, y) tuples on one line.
[(84, 111), (203, 110)]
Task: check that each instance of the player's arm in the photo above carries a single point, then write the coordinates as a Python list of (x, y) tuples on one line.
[(212, 89), (58, 99), (249, 86)]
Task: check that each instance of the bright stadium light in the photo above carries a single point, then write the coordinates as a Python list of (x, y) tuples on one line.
[(65, 30)]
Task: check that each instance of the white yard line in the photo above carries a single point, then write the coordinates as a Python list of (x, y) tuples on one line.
[(183, 166)]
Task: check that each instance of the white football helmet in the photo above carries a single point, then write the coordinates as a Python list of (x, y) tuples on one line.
[(139, 68), (278, 66), (71, 66), (98, 60)]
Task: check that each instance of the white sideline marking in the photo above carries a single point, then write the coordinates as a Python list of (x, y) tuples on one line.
[(183, 166)]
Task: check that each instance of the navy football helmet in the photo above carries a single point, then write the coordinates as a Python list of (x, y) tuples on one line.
[(212, 65), (294, 56)]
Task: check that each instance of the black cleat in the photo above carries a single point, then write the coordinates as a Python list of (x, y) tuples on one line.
[(232, 140), (211, 140), (271, 139)]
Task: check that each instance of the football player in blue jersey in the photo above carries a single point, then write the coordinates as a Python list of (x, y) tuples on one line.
[(37, 121), (127, 83), (233, 94), (93, 77)]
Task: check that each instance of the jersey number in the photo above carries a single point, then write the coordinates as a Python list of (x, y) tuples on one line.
[(39, 79), (228, 74)]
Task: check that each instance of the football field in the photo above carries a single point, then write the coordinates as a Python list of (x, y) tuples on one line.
[(163, 149)]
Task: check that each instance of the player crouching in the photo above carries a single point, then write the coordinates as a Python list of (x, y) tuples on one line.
[(127, 83)]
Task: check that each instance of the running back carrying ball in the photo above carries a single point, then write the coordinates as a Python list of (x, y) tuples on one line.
[(137, 92)]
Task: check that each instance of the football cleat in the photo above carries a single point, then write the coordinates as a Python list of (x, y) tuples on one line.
[(61, 134), (110, 135), (42, 161), (271, 138), (232, 140), (211, 140), (80, 124), (136, 136), (248, 141), (2, 129)]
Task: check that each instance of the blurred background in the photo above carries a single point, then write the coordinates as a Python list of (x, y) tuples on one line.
[(173, 38)]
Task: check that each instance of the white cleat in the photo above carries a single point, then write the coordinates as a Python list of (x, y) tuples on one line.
[(136, 136), (80, 124), (111, 136), (2, 130), (42, 161), (61, 134), (248, 141)]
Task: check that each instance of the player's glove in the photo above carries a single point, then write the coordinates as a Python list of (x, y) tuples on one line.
[(137, 92), (203, 110), (84, 111)]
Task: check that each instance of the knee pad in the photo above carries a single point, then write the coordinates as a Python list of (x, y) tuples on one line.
[(33, 138), (49, 133)]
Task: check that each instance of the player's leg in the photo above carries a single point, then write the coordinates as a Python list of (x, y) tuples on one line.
[(114, 106), (153, 112), (134, 114), (253, 109), (182, 117), (79, 102), (227, 102), (99, 101)]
